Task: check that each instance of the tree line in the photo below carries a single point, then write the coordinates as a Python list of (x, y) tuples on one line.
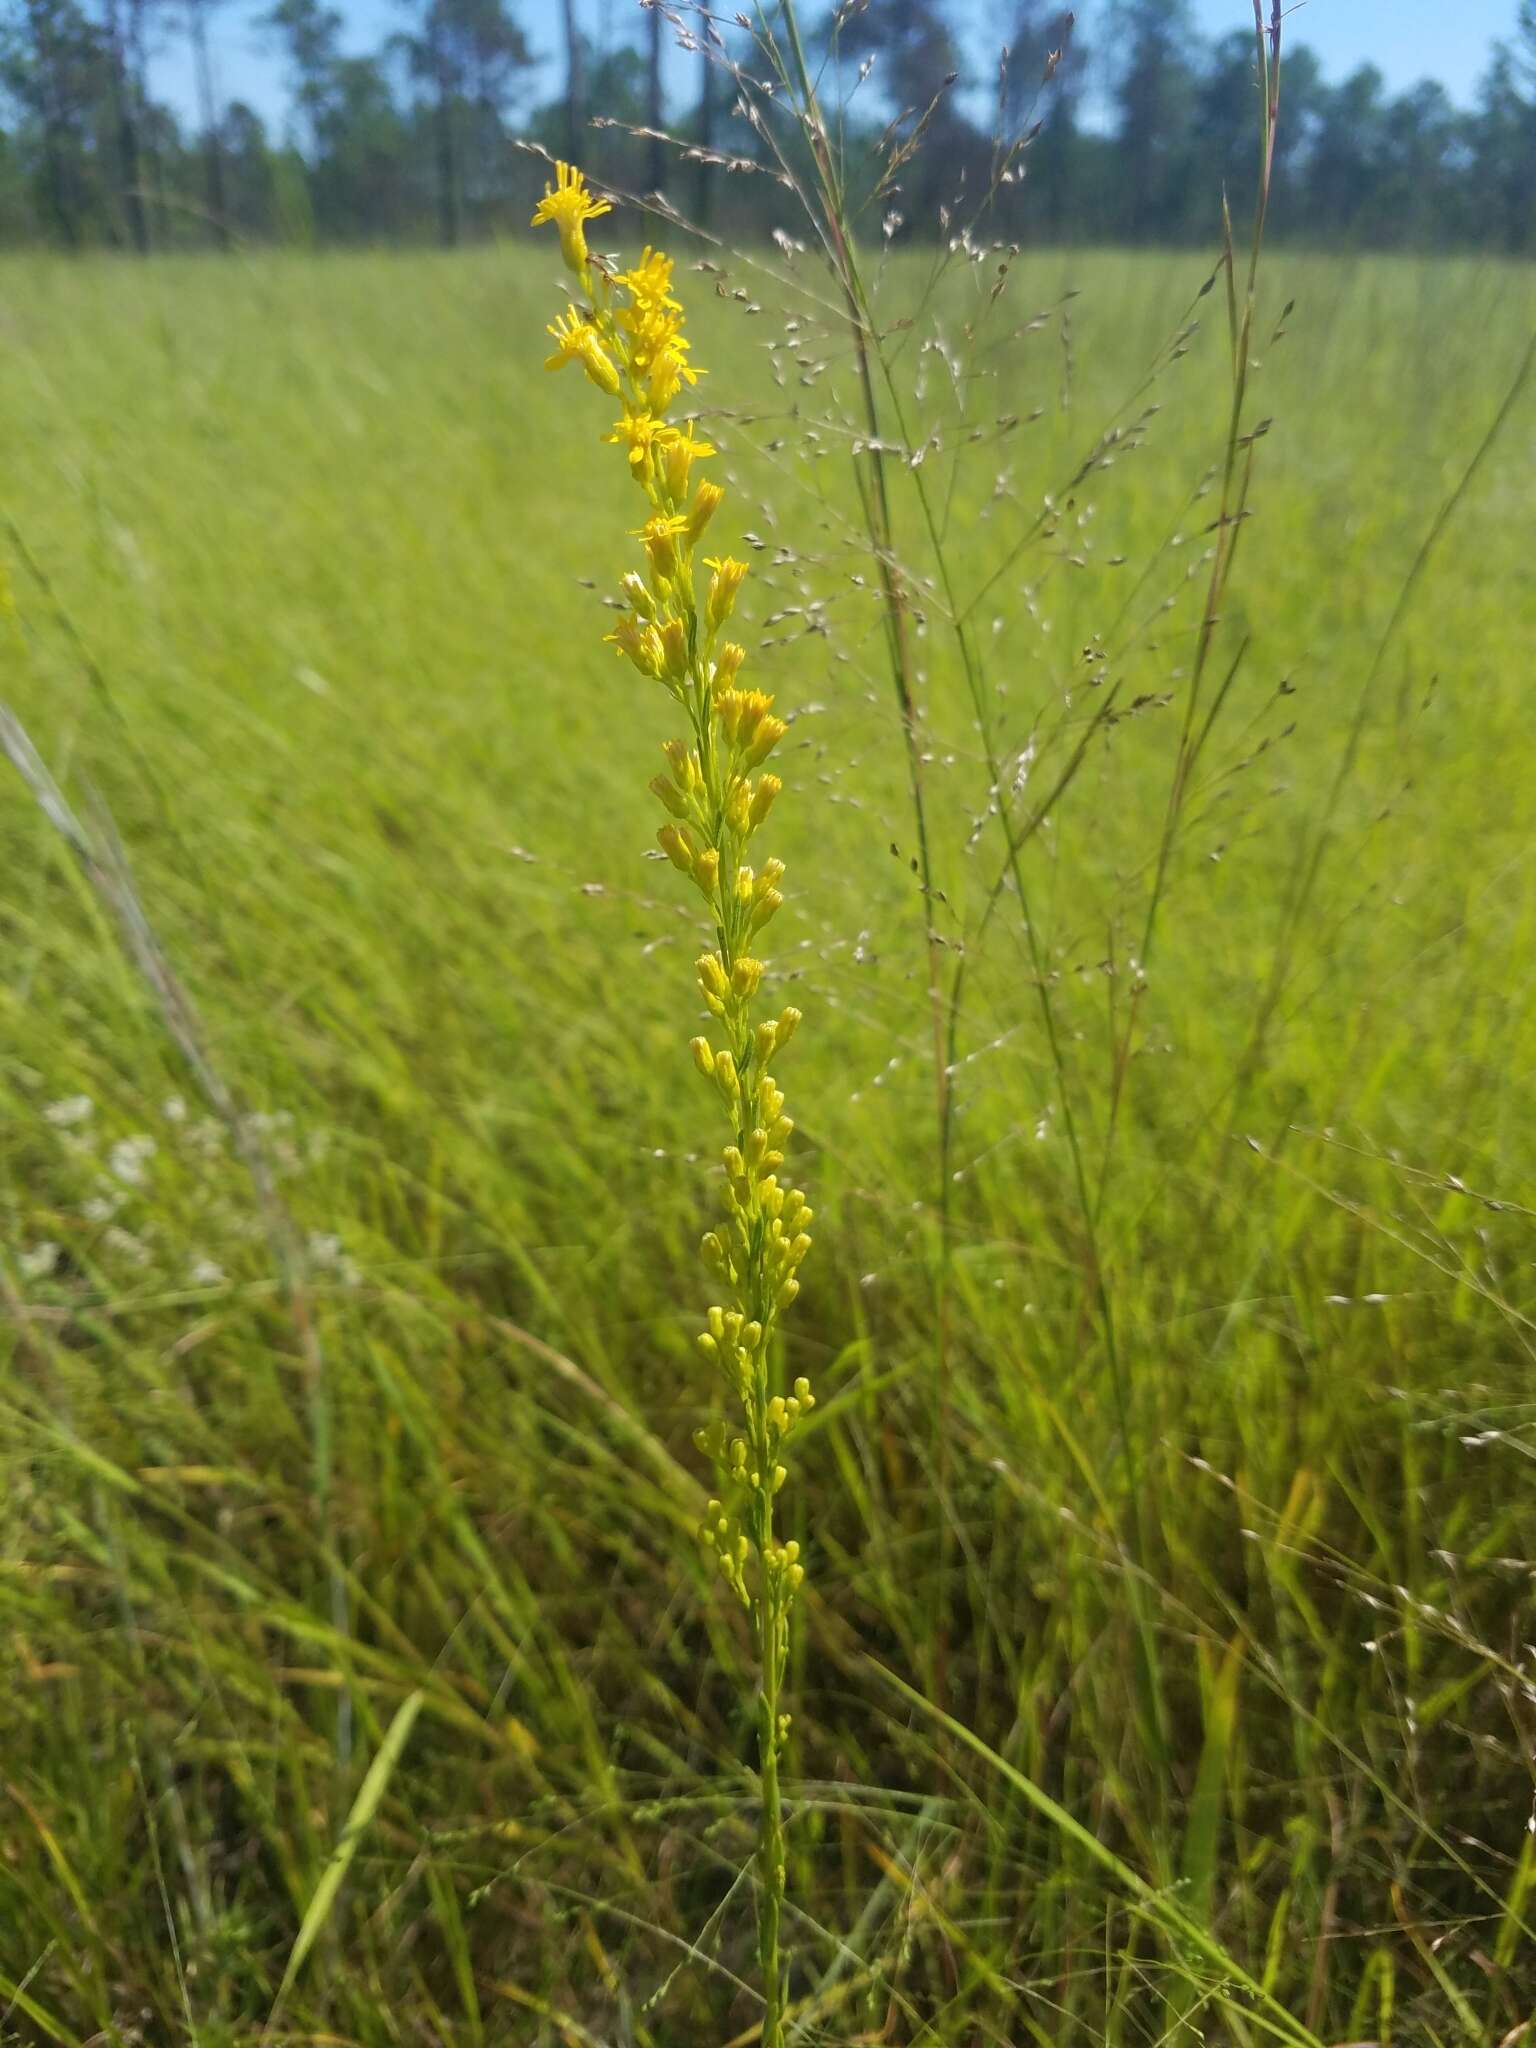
[(1134, 126)]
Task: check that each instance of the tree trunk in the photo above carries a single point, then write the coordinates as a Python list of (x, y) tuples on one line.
[(125, 120), (59, 197), (208, 110), (146, 144), (658, 158), (447, 158), (575, 85)]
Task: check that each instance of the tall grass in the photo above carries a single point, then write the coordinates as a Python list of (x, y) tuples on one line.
[(312, 605)]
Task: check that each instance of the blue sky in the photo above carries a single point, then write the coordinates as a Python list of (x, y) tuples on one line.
[(1407, 39)]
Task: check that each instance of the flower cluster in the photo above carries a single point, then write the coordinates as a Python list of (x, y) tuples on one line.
[(626, 332), (625, 329)]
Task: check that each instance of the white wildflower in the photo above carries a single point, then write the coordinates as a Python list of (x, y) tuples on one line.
[(70, 1109), (126, 1245), (128, 1158)]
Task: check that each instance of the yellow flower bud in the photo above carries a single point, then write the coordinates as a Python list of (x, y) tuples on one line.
[(764, 791), (703, 1057), (706, 870), (728, 660), (641, 642), (658, 536), (678, 459), (723, 586), (685, 766), (598, 365), (674, 649), (678, 846), (767, 736), (740, 713), (784, 1030), (669, 795), (766, 905), (634, 589), (745, 976), (707, 501)]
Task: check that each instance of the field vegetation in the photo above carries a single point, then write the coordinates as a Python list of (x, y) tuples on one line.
[(1163, 1668)]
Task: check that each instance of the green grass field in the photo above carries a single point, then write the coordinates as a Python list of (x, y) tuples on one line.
[(309, 559)]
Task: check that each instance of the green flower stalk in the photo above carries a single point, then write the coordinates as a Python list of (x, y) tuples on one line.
[(626, 332)]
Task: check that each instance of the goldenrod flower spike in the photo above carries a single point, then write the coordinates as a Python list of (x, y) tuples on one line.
[(629, 340)]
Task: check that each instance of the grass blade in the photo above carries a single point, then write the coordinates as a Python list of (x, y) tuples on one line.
[(370, 1796)]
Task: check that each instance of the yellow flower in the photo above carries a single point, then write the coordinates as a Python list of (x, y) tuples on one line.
[(763, 794), (767, 736), (726, 581), (650, 329), (741, 712), (682, 451), (641, 432), (670, 370), (659, 538), (674, 644), (705, 505), (649, 284), (570, 205), (577, 341), (641, 642)]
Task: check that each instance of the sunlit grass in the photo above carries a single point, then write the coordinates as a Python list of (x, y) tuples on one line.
[(309, 531)]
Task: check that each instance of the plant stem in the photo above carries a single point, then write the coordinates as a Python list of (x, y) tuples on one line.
[(771, 1636)]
